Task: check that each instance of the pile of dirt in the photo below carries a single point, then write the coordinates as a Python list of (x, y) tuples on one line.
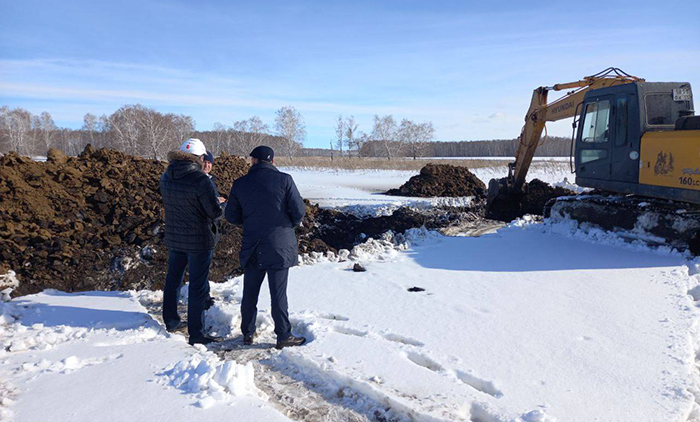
[(93, 222), (442, 180), (96, 222), (508, 206)]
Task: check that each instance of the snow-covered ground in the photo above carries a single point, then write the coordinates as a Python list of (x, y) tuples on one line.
[(362, 191), (535, 322)]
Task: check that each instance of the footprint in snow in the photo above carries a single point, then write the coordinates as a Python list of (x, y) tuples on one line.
[(398, 338), (349, 331), (479, 384), (424, 361)]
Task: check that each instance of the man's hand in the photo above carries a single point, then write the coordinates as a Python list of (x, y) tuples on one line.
[(222, 199)]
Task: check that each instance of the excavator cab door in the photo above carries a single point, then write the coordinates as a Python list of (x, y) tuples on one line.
[(595, 138)]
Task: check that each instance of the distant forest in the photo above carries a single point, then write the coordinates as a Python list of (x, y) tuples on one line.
[(553, 146)]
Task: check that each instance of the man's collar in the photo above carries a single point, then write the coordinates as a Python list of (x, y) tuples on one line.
[(263, 165)]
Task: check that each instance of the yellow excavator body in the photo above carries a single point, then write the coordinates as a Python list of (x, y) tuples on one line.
[(670, 159)]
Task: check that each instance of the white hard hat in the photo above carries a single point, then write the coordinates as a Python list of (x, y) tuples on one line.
[(193, 146)]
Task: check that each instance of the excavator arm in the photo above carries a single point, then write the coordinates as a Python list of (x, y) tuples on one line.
[(541, 112)]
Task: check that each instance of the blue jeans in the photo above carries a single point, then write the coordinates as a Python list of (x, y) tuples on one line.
[(198, 291)]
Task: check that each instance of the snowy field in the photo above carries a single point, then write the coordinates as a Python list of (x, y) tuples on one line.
[(362, 191), (533, 323)]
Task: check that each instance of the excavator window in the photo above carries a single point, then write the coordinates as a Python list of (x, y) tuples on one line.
[(588, 155), (621, 120), (596, 122)]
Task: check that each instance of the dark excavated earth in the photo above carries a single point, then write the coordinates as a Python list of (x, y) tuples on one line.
[(95, 222)]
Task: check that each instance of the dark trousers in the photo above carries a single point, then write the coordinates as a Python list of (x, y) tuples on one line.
[(252, 281), (198, 290)]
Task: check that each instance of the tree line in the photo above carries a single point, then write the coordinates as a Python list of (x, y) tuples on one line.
[(144, 131), (552, 146)]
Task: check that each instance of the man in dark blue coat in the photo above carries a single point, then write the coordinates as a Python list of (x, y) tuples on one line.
[(268, 205), (191, 209)]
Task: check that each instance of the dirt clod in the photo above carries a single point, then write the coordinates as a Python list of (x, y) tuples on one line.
[(358, 268), (442, 180)]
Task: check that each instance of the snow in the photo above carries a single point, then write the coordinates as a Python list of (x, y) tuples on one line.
[(575, 329), (361, 192), (536, 322), (99, 356)]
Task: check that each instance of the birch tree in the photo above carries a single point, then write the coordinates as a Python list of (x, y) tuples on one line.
[(290, 126), (183, 127), (249, 134), (339, 134), (124, 128), (90, 127), (351, 133), (385, 132), (17, 129), (415, 137), (46, 131), (158, 131)]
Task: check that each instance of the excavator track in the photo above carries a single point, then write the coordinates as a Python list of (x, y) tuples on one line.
[(653, 221)]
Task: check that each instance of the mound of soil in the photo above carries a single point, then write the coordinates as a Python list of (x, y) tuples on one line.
[(509, 206), (442, 180), (96, 222), (93, 222)]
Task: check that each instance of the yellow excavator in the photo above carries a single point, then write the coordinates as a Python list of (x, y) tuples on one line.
[(635, 143)]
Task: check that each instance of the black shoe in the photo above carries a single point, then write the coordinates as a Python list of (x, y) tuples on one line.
[(291, 341), (205, 339), (208, 303), (177, 327), (248, 340)]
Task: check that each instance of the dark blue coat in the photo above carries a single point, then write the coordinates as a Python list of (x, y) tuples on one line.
[(191, 205), (268, 205)]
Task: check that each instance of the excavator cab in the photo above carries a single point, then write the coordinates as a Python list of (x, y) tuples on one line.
[(633, 138)]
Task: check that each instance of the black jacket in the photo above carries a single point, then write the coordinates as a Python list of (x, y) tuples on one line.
[(191, 205), (268, 205)]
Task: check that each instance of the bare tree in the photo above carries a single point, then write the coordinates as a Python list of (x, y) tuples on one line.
[(415, 137), (340, 134), (290, 126), (183, 127), (17, 127), (222, 136), (384, 131), (351, 133), (249, 134), (90, 128), (70, 141), (258, 132), (46, 131), (124, 128), (158, 131), (4, 128)]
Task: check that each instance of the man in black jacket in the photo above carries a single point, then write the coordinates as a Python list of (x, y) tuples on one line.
[(191, 208), (268, 205)]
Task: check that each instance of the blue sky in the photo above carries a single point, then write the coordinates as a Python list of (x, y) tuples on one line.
[(469, 67)]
